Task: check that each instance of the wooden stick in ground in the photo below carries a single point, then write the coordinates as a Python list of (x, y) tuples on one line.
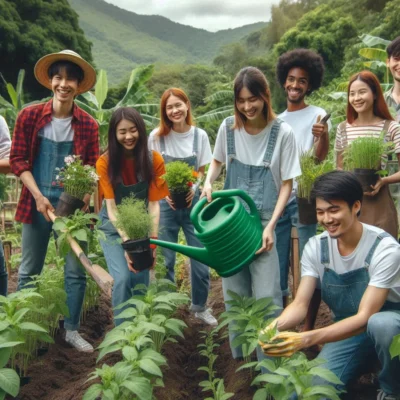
[(100, 275)]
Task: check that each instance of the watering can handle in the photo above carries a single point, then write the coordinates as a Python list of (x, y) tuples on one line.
[(221, 193)]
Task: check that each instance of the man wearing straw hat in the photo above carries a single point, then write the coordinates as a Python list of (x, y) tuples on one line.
[(44, 135)]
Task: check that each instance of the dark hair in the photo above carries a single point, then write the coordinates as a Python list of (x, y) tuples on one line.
[(143, 166), (306, 59), (256, 82), (393, 50), (338, 185), (73, 71), (380, 107)]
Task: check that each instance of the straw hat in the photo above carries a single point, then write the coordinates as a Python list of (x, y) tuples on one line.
[(42, 68)]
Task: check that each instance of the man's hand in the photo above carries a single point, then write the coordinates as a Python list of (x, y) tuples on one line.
[(286, 344), (207, 191), (170, 202), (267, 240), (319, 129), (190, 197), (42, 205)]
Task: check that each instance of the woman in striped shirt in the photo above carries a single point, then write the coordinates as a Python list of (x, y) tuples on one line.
[(368, 115)]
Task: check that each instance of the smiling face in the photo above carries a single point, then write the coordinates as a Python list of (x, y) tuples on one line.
[(361, 97), (297, 85), (176, 109), (65, 88), (127, 135), (337, 217), (394, 65), (250, 105)]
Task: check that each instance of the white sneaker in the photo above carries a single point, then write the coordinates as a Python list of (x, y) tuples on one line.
[(384, 396), (76, 340), (206, 317)]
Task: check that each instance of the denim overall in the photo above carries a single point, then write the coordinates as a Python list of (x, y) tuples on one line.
[(35, 236), (349, 358), (124, 279), (170, 223), (261, 278)]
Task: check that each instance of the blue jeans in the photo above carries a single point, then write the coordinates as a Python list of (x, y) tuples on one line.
[(3, 273), (124, 279), (35, 239), (259, 279), (170, 223), (283, 231), (349, 358)]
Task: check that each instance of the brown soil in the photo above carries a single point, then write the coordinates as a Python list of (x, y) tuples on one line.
[(61, 373)]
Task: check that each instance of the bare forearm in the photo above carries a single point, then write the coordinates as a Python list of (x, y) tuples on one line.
[(5, 166), (154, 211), (322, 147), (283, 197), (214, 171), (29, 181), (112, 216), (292, 316)]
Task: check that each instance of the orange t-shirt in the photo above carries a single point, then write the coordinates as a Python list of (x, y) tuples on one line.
[(158, 188)]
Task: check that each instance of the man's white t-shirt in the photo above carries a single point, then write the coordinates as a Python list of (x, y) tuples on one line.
[(180, 145), (59, 130), (302, 122), (384, 270), (250, 150), (5, 139)]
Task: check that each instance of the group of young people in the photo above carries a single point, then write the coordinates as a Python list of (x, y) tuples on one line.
[(354, 265)]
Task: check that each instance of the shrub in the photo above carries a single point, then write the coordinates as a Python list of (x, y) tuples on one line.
[(133, 219), (179, 176)]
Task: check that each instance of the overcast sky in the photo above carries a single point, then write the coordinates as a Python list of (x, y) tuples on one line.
[(212, 15)]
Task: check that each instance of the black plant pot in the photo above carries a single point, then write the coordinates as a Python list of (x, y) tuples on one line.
[(307, 213), (140, 253), (67, 205), (179, 199), (366, 177)]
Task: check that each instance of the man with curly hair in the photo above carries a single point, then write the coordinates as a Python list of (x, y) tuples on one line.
[(299, 72), (392, 96)]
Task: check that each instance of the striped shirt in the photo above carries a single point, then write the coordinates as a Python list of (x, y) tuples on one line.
[(343, 139)]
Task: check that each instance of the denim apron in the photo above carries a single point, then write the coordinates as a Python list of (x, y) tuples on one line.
[(124, 279), (349, 358), (35, 236), (261, 278), (170, 223)]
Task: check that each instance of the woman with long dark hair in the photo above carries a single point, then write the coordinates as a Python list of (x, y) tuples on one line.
[(178, 139), (126, 168), (367, 116), (261, 158)]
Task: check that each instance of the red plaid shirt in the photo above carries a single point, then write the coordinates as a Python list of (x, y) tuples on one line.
[(25, 146)]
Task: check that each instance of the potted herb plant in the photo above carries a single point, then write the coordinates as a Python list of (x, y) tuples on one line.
[(180, 178), (134, 220), (77, 180), (310, 170), (364, 157)]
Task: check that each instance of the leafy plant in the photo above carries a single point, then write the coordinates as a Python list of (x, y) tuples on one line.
[(9, 379), (179, 176), (213, 384), (366, 152), (77, 179), (133, 218), (310, 170), (395, 347)]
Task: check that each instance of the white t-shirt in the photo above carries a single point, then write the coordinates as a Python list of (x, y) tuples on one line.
[(59, 130), (5, 140), (250, 150), (384, 270), (180, 145), (302, 122)]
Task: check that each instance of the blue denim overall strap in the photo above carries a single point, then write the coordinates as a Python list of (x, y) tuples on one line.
[(343, 292), (50, 156), (192, 161), (257, 181)]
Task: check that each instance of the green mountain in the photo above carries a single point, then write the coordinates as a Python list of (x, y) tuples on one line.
[(123, 39)]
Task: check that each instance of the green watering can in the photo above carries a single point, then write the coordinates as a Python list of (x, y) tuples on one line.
[(230, 234)]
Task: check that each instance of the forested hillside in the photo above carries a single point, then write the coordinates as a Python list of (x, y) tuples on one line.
[(123, 39)]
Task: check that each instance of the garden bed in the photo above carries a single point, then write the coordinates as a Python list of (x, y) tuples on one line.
[(61, 373)]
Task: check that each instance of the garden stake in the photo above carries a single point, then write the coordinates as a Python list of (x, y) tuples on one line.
[(100, 275)]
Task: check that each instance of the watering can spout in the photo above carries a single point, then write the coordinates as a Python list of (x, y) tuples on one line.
[(199, 254)]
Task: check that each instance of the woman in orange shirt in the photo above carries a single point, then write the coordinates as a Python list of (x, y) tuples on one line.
[(127, 167)]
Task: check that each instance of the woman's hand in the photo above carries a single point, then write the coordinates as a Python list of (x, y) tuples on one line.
[(42, 205), (287, 343), (207, 191), (170, 202), (190, 197), (130, 263), (376, 188), (267, 240)]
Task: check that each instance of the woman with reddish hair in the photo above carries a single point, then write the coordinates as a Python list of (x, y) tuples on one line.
[(178, 139), (368, 115)]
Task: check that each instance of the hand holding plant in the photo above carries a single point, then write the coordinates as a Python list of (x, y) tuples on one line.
[(284, 344)]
